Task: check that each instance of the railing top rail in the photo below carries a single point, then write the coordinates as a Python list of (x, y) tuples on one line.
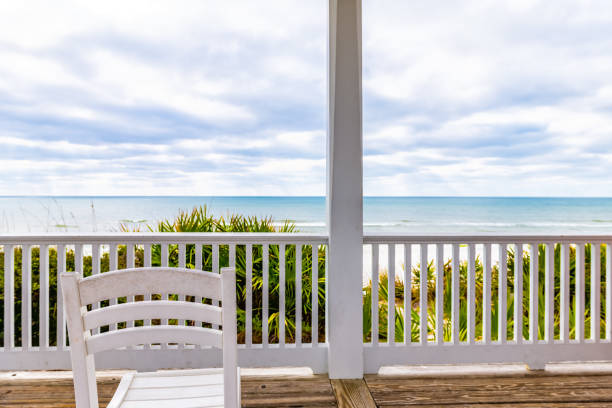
[(163, 237), (386, 238)]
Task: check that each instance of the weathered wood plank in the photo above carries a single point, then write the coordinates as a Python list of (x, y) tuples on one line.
[(352, 394)]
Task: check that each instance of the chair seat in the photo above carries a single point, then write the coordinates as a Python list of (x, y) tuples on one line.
[(170, 389)]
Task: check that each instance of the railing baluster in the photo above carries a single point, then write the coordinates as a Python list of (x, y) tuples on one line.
[(486, 294), (26, 297), (579, 318), (518, 293), (391, 294), (95, 270), (608, 291), (534, 291), (423, 294), (374, 294), (164, 296), (265, 294), (198, 265), (61, 314), (407, 293), (43, 313), (113, 260), (298, 294), (215, 266), (315, 295), (182, 254), (471, 294), (502, 295), (456, 296), (147, 264), (9, 297), (439, 293), (249, 296), (549, 295), (281, 294), (565, 293), (595, 291)]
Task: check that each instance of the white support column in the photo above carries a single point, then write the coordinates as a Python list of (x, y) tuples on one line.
[(345, 191)]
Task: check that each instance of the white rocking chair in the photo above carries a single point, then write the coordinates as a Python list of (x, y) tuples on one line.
[(168, 389)]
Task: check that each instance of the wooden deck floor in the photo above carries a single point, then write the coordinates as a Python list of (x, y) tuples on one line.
[(517, 390)]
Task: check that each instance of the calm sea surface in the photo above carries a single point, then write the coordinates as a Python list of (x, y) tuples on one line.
[(395, 214)]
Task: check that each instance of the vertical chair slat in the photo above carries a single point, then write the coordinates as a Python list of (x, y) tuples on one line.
[(249, 296), (26, 297), (486, 294), (375, 266), (9, 297), (608, 291), (518, 293), (391, 295), (455, 295), (407, 293), (265, 294), (423, 294), (549, 295), (61, 312), (579, 318), (43, 301), (315, 294), (502, 294), (565, 293), (471, 293), (439, 293), (298, 294), (595, 291), (281, 294), (533, 292)]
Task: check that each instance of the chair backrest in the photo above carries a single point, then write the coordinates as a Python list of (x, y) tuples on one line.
[(79, 292)]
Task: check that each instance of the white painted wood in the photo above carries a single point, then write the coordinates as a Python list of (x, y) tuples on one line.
[(154, 335), (595, 291), (608, 291), (113, 259), (565, 294), (85, 345), (391, 295), (518, 293), (344, 192), (152, 309), (121, 391), (439, 294), (482, 238), (61, 313), (533, 292), (375, 281), (215, 269), (549, 276), (502, 300), (130, 262), (147, 264), (580, 294), (281, 294), (249, 296), (9, 297), (95, 270), (265, 294), (407, 294), (471, 293), (315, 296), (26, 296), (423, 280), (43, 301), (298, 293), (83, 366), (486, 294), (455, 310), (136, 281)]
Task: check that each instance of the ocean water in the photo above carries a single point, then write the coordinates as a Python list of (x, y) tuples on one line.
[(388, 214)]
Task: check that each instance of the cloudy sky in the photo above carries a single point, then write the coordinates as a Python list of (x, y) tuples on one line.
[(229, 98)]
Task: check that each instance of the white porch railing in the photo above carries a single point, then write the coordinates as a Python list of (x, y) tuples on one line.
[(477, 288), (31, 338)]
